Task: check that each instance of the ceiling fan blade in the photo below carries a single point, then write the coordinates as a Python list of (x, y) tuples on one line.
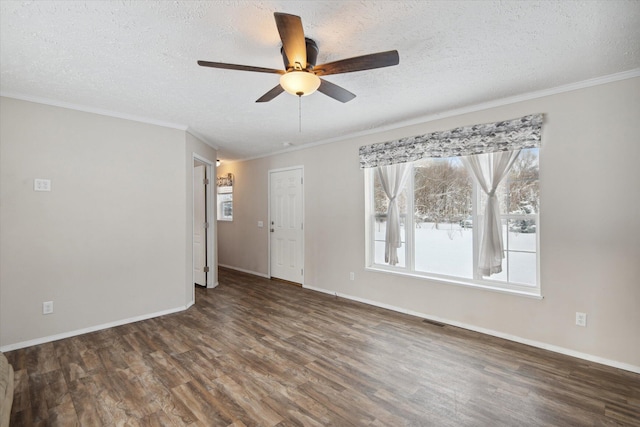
[(271, 94), (335, 91), (239, 67), (292, 36), (359, 63)]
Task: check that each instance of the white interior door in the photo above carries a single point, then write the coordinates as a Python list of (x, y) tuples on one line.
[(286, 226), (199, 231)]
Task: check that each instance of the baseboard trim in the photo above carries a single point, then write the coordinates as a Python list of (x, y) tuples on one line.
[(82, 331), (515, 338), (242, 270), (287, 282)]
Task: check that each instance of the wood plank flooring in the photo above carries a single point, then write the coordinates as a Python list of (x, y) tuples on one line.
[(255, 352)]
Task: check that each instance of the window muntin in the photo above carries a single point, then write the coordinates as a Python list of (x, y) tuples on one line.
[(442, 236)]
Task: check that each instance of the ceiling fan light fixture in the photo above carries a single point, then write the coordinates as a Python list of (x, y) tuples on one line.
[(299, 54), (300, 83)]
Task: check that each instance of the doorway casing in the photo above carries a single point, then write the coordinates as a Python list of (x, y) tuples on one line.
[(211, 247)]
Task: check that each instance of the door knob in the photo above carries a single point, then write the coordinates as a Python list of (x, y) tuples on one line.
[(272, 230)]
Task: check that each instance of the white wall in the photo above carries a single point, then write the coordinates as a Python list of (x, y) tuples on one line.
[(589, 227), (107, 244), (240, 242)]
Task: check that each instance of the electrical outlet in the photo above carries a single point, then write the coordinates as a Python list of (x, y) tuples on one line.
[(41, 184), (581, 319), (352, 276), (47, 307)]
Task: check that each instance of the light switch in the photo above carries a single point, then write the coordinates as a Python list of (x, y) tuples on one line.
[(47, 307), (41, 184), (260, 224)]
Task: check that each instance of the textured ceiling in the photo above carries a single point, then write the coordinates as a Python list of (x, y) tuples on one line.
[(139, 58)]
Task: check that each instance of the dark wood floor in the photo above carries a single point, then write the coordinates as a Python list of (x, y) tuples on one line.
[(253, 352)]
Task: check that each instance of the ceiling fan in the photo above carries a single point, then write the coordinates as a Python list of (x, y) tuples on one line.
[(301, 75)]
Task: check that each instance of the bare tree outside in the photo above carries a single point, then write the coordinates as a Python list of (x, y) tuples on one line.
[(523, 195), (442, 191), (381, 201)]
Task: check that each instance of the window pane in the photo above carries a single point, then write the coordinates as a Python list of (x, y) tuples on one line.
[(381, 229), (225, 207), (443, 234), (444, 248), (518, 192), (501, 193), (522, 235), (518, 267), (522, 184), (381, 201), (442, 190), (503, 276), (381, 204), (522, 268)]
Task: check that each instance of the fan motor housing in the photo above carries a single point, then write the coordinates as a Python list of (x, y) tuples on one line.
[(312, 54)]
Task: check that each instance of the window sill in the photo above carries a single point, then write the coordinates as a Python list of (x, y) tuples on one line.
[(535, 294)]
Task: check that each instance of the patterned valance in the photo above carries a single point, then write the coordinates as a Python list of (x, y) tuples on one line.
[(507, 135)]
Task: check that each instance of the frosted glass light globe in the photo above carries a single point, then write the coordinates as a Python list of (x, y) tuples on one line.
[(300, 83)]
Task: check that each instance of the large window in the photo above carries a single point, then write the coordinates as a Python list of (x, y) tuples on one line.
[(441, 220)]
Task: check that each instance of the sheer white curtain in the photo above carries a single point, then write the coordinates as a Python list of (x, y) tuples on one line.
[(489, 169), (393, 178)]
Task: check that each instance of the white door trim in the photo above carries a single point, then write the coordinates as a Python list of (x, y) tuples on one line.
[(200, 232), (301, 168), (212, 234)]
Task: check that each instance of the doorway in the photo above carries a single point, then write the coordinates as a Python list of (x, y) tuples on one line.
[(286, 224), (203, 236)]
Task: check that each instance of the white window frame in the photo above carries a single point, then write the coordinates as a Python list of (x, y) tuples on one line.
[(409, 268)]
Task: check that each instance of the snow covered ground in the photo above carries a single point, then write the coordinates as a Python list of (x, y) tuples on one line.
[(448, 250)]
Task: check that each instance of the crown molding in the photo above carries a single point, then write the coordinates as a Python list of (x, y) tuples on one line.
[(202, 138), (405, 123), (94, 110), (464, 110), (108, 113)]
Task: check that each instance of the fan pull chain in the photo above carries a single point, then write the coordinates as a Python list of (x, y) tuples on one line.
[(299, 113)]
